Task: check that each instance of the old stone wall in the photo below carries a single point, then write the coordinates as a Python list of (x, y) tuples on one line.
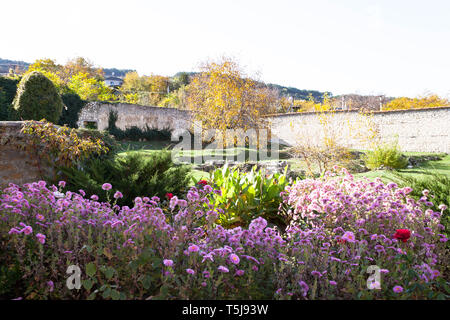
[(134, 115), (420, 130), (16, 166)]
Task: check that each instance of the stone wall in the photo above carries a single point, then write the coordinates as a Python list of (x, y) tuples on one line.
[(420, 130), (134, 115), (16, 165)]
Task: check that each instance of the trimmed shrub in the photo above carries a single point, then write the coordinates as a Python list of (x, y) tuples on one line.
[(8, 88), (72, 106), (387, 155), (37, 98)]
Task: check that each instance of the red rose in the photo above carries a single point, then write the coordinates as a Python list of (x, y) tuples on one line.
[(203, 182), (402, 234), (169, 195)]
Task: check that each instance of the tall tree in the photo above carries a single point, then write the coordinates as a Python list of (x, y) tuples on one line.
[(221, 96)]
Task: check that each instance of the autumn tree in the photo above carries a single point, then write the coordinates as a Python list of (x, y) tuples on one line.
[(82, 65), (222, 97), (428, 101)]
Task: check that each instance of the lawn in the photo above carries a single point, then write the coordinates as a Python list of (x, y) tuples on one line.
[(441, 167)]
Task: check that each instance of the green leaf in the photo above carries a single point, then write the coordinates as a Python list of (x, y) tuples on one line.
[(115, 295), (87, 284), (109, 272), (91, 269)]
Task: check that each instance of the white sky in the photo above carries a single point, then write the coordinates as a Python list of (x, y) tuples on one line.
[(392, 47)]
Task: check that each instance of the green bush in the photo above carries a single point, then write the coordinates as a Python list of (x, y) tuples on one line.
[(247, 196), (439, 187), (73, 104), (37, 98), (387, 155), (8, 88), (133, 174)]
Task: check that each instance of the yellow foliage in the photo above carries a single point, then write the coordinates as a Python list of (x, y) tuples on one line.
[(429, 101), (222, 97)]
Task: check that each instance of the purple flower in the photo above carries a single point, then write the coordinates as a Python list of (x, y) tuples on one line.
[(304, 287), (240, 272), (106, 186), (14, 231), (94, 197), (41, 238), (234, 258), (193, 248), (168, 262), (62, 184), (27, 230), (398, 289), (190, 271), (333, 283), (223, 269), (118, 195), (348, 236), (51, 285), (316, 273)]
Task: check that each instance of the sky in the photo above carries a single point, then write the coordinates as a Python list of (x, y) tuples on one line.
[(392, 47)]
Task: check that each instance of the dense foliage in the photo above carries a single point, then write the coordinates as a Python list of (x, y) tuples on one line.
[(133, 174), (385, 155), (37, 98), (60, 146), (247, 196), (174, 250), (8, 89), (72, 106), (434, 185)]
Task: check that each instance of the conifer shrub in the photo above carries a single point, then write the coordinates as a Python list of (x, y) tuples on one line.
[(133, 174), (37, 98)]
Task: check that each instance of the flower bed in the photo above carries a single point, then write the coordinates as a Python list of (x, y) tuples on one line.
[(172, 249)]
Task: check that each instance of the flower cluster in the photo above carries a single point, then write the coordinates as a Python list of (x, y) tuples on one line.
[(174, 249)]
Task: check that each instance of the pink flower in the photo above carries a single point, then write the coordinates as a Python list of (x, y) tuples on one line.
[(398, 289), (27, 230), (118, 195), (14, 231), (223, 269), (190, 271), (349, 236), (106, 186), (168, 262), (193, 248), (62, 184), (240, 272), (40, 217), (234, 258), (41, 238)]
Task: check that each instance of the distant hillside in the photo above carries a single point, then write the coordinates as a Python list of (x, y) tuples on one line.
[(116, 72), (6, 64), (299, 94)]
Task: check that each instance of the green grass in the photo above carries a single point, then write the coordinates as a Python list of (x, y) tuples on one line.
[(148, 147), (440, 167)]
